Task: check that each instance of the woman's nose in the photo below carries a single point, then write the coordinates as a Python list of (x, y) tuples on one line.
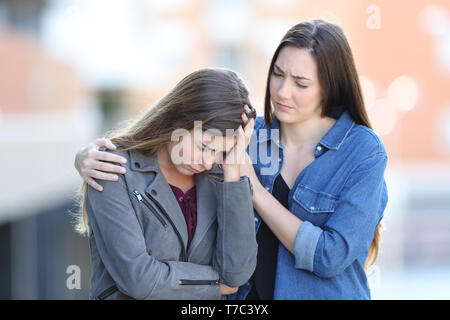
[(208, 160), (284, 91)]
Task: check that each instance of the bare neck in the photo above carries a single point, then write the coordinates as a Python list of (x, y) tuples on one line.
[(305, 134)]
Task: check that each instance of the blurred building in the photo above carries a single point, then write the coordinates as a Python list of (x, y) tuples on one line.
[(71, 70)]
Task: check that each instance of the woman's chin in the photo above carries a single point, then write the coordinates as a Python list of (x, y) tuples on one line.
[(184, 171), (188, 172), (283, 116)]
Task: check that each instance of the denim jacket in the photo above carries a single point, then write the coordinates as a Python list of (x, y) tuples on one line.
[(340, 197)]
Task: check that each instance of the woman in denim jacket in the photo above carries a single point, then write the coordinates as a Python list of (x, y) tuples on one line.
[(318, 173), (318, 178)]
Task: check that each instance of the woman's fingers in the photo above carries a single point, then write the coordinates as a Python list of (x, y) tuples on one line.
[(249, 127), (244, 118), (248, 130), (227, 290), (93, 164), (95, 174), (105, 142), (107, 167), (93, 184), (243, 139), (106, 156), (241, 145), (233, 156)]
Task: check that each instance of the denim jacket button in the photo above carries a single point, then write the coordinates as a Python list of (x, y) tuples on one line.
[(312, 207), (267, 188), (319, 148)]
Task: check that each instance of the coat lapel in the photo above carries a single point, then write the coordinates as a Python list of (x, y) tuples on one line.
[(160, 190), (206, 208)]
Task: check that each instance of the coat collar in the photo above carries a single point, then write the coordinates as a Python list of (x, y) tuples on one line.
[(143, 163), (334, 138)]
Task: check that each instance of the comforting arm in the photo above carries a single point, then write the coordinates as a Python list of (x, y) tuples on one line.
[(283, 223)]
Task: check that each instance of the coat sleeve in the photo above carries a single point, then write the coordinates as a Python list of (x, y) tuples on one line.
[(121, 245), (349, 231), (236, 248)]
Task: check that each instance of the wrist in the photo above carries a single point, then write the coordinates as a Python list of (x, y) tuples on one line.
[(258, 191), (231, 174)]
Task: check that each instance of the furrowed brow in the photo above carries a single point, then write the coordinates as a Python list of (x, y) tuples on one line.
[(295, 77)]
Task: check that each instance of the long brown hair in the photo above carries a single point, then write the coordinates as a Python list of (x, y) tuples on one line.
[(214, 96), (338, 79)]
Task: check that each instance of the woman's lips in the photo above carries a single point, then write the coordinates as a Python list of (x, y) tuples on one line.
[(193, 170), (282, 107)]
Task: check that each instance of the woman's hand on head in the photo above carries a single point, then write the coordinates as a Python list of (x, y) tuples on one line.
[(90, 163), (231, 165)]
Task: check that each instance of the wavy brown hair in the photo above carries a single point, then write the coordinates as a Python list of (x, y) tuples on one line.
[(338, 79), (214, 96)]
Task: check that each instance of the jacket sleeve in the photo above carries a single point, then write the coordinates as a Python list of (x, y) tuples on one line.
[(122, 249), (349, 231), (236, 248)]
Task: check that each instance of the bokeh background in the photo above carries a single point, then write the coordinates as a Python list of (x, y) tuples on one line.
[(70, 70)]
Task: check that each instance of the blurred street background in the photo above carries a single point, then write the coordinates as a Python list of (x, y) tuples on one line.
[(70, 70)]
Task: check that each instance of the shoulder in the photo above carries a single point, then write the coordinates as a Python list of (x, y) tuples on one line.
[(366, 141), (137, 160), (265, 129)]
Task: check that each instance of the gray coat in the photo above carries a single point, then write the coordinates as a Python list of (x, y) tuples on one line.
[(138, 236)]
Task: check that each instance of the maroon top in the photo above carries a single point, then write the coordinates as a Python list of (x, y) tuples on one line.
[(188, 205)]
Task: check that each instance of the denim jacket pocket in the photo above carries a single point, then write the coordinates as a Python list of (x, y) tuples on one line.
[(314, 202)]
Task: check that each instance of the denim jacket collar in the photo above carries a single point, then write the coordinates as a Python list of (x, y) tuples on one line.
[(275, 125), (337, 134)]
